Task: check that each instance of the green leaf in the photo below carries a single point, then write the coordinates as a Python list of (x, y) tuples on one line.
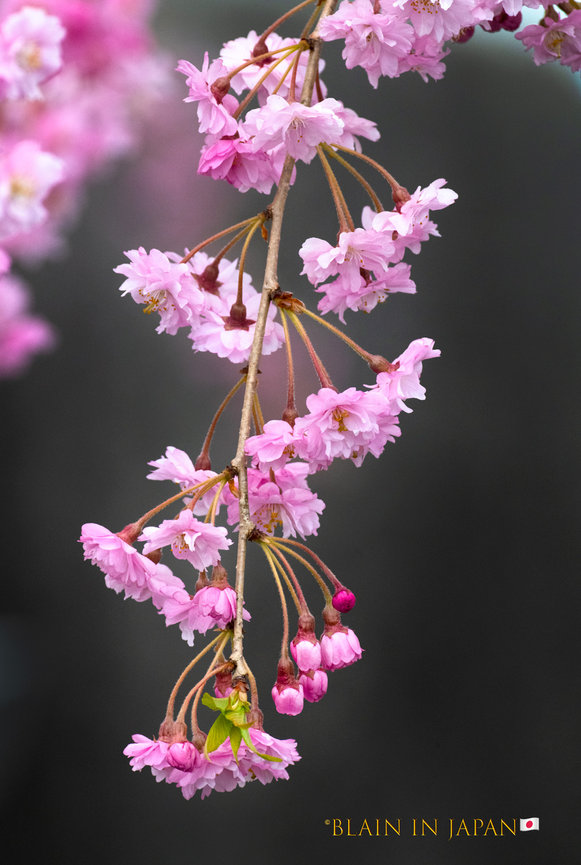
[(235, 739), (218, 733), (218, 704)]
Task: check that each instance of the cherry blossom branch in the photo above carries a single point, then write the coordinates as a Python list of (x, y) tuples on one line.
[(270, 285)]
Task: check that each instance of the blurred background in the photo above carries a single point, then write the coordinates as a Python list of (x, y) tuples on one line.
[(461, 543)]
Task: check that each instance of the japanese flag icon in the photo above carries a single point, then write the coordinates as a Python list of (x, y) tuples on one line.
[(529, 823)]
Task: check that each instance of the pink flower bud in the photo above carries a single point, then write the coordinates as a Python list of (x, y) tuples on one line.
[(182, 755), (306, 653), (339, 648), (344, 600), (288, 699), (315, 686), (287, 693)]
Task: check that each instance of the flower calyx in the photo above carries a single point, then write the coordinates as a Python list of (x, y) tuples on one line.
[(237, 319)]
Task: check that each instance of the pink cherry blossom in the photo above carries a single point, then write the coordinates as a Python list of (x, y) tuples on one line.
[(182, 756), (147, 752), (375, 39), (199, 543), (165, 286), (426, 58), (27, 175), (411, 222), (354, 126), (266, 770), (21, 335), (215, 109), (178, 608), (344, 425), (218, 603), (285, 501), (404, 381), (314, 685), (273, 447), (300, 128), (30, 52), (555, 40), (364, 291), (361, 263), (236, 52), (177, 466), (339, 648), (219, 772), (124, 567), (214, 332), (441, 19), (240, 164)]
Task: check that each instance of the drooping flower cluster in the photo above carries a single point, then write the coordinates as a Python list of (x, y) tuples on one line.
[(75, 80), (390, 37), (263, 493)]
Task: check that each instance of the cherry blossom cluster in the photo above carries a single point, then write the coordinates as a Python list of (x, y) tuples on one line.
[(263, 492), (75, 79), (390, 37)]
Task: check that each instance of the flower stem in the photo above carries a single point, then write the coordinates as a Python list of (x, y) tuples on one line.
[(252, 93), (172, 697), (214, 237), (395, 186), (365, 355), (359, 177), (291, 408), (321, 583), (304, 607), (343, 215), (326, 570), (276, 24), (285, 629), (205, 452), (269, 286), (322, 374)]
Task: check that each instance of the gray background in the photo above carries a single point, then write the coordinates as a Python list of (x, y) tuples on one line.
[(460, 542)]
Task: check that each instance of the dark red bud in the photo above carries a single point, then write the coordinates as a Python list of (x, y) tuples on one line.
[(208, 279), (378, 364), (290, 415), (219, 576), (220, 88), (172, 731), (203, 462), (261, 48), (400, 195), (154, 556)]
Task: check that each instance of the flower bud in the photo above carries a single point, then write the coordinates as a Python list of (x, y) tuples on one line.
[(339, 648), (344, 600), (314, 685), (182, 755), (287, 693)]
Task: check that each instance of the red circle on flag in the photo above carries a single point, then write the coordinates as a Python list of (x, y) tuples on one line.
[(529, 824)]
